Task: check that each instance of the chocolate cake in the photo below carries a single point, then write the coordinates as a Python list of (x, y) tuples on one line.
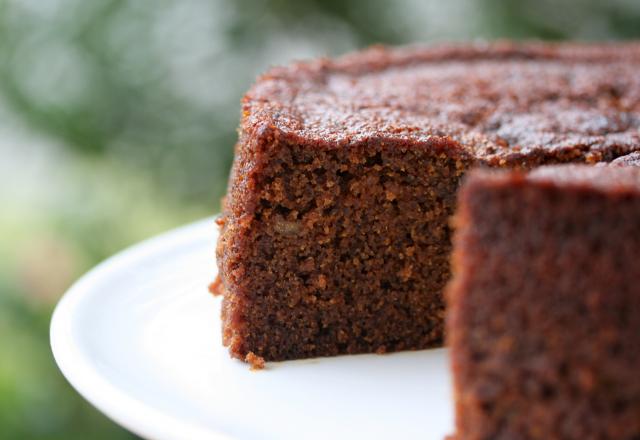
[(335, 233), (544, 308)]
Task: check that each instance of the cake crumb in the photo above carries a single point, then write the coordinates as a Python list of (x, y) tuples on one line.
[(321, 282), (256, 362), (216, 288)]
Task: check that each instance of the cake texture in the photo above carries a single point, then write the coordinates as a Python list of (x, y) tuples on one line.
[(335, 232), (544, 307)]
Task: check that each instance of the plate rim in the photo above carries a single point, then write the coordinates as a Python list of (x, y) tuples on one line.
[(126, 410)]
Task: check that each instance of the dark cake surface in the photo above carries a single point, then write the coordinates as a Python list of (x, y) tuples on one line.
[(335, 233), (501, 101), (544, 307), (594, 179)]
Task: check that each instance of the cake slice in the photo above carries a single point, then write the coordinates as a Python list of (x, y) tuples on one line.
[(335, 233), (544, 308)]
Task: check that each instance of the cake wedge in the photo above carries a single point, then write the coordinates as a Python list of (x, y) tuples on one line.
[(544, 306)]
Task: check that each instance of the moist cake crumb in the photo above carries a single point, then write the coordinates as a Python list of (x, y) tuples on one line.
[(256, 362)]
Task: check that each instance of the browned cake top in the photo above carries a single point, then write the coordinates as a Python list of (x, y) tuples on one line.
[(498, 100), (607, 179)]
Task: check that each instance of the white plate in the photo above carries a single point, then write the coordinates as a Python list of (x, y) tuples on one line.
[(139, 337)]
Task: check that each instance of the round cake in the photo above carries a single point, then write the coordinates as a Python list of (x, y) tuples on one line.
[(335, 235)]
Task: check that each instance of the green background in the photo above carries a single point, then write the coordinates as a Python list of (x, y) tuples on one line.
[(117, 122)]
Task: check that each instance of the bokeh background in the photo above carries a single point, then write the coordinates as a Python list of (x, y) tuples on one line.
[(118, 119)]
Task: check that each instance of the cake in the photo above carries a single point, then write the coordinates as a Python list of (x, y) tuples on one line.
[(544, 308), (335, 235)]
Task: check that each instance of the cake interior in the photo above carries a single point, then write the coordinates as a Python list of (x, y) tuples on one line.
[(347, 250)]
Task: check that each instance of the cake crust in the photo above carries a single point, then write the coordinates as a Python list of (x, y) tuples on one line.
[(501, 101)]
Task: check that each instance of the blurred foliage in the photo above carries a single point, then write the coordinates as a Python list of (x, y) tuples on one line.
[(117, 121)]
